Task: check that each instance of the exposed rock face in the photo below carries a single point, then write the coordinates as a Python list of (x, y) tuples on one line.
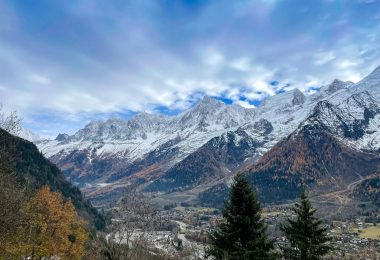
[(310, 158), (264, 126), (208, 143), (62, 138), (212, 162), (349, 119), (298, 98), (336, 86)]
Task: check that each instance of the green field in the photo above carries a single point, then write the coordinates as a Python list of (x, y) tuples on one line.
[(372, 232)]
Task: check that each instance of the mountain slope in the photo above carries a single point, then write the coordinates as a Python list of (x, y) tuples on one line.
[(371, 83), (213, 161), (310, 158), (368, 190), (34, 170), (322, 153), (335, 146), (114, 149), (169, 153)]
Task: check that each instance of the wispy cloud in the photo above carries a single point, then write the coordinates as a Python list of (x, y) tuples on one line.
[(77, 60)]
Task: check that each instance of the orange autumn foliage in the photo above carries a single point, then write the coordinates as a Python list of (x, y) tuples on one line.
[(53, 227)]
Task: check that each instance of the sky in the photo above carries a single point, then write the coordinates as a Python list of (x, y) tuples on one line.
[(65, 63)]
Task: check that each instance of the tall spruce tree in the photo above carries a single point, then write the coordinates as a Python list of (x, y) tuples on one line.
[(242, 234), (306, 237)]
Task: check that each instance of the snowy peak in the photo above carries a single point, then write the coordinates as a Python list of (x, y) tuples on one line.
[(374, 75), (349, 119), (335, 86), (147, 119), (145, 122), (362, 100), (62, 137), (211, 140), (298, 97), (207, 101), (210, 114), (99, 130), (371, 83), (118, 129), (283, 100), (28, 135), (207, 116)]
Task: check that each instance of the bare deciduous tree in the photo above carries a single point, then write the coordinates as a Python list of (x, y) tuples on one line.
[(133, 224), (10, 122)]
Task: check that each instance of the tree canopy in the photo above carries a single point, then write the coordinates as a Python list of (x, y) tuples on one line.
[(242, 232), (307, 238)]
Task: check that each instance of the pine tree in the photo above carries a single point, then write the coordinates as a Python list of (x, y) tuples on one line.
[(242, 234), (306, 237)]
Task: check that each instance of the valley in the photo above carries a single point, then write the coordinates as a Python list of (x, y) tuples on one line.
[(179, 158), (190, 129), (327, 142)]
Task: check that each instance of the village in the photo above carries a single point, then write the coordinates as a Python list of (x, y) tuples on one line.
[(357, 238)]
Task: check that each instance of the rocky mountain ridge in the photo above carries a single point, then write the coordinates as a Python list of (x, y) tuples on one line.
[(155, 150)]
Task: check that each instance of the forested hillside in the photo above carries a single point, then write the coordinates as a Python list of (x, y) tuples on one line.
[(31, 170), (369, 190)]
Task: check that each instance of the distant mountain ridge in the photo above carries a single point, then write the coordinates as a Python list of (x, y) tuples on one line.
[(170, 153)]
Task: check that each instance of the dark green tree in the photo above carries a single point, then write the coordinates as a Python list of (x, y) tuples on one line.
[(242, 233), (306, 237)]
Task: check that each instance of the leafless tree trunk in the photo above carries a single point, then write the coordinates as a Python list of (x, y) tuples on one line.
[(133, 223), (10, 122)]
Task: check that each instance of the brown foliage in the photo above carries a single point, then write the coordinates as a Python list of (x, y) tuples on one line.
[(54, 227), (46, 226)]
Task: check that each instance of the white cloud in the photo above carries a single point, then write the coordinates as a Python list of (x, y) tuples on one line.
[(322, 58), (245, 104), (262, 86), (255, 96), (345, 64), (242, 64), (213, 57), (139, 58), (36, 78)]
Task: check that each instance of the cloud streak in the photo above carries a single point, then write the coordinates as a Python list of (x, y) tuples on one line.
[(75, 61)]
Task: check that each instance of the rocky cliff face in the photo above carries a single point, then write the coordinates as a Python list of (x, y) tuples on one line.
[(312, 159), (215, 160), (211, 141)]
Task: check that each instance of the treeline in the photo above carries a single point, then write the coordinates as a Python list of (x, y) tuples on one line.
[(242, 232)]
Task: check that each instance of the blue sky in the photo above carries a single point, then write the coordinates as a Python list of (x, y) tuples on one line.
[(65, 63)]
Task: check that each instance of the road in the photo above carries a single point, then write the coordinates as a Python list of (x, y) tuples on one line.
[(342, 195)]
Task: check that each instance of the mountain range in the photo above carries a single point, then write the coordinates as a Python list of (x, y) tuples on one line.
[(325, 142)]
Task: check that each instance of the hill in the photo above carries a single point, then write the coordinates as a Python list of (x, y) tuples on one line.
[(32, 171)]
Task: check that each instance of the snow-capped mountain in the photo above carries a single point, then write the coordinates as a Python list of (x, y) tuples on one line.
[(137, 140), (371, 83), (335, 148), (28, 135), (215, 160), (335, 86), (149, 149)]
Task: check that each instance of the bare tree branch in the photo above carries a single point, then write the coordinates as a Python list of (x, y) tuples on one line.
[(10, 122)]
